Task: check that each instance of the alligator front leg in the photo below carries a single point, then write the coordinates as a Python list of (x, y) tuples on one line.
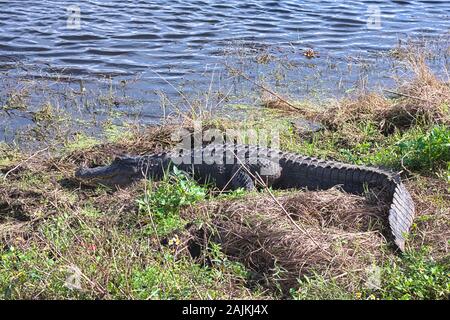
[(241, 179)]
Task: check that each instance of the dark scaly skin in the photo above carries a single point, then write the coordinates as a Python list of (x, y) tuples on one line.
[(249, 164)]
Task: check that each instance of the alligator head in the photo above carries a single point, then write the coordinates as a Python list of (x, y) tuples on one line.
[(121, 172)]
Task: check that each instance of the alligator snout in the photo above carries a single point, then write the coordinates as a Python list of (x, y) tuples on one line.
[(89, 173), (80, 172), (119, 173), (98, 175)]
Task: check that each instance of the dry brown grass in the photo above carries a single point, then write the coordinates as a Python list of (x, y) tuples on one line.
[(432, 222), (276, 102), (41, 186), (256, 232), (425, 94), (150, 140), (421, 95)]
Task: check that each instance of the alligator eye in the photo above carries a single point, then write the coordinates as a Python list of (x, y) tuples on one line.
[(117, 159)]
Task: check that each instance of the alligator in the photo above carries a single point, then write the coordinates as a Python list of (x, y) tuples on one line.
[(231, 166)]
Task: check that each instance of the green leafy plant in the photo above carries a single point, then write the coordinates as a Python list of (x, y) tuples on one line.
[(24, 274), (426, 151), (163, 203), (223, 265), (415, 276)]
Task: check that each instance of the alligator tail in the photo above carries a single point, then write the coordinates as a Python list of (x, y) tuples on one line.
[(401, 209), (315, 173), (401, 213)]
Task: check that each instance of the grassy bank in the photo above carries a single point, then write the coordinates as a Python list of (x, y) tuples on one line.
[(176, 239)]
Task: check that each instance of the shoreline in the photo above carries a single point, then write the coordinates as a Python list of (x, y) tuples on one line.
[(139, 242)]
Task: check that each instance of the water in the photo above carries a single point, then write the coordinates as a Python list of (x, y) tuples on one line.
[(164, 45)]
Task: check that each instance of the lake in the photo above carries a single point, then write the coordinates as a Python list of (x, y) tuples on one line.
[(185, 46)]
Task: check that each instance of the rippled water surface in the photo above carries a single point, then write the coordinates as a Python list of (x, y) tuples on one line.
[(166, 44), (177, 37)]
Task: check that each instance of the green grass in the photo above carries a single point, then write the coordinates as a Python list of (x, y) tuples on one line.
[(119, 261), (319, 288), (415, 276), (27, 271), (115, 134), (39, 272), (420, 149), (33, 273), (34, 180), (80, 142), (8, 155), (183, 279)]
